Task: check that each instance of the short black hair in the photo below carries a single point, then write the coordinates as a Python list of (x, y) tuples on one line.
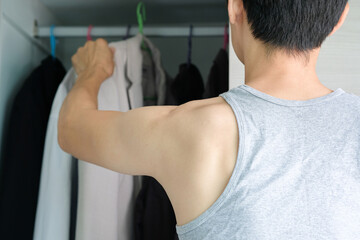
[(296, 26)]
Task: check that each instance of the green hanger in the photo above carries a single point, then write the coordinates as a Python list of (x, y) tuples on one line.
[(141, 16)]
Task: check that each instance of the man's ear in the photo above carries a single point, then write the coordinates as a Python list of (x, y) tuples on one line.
[(231, 11), (342, 19), (236, 10)]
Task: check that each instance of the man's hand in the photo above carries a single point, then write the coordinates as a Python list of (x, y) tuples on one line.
[(95, 57)]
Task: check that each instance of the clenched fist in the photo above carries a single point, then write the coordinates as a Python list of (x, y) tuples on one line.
[(94, 57)]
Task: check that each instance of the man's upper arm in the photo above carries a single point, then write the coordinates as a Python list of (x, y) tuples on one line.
[(147, 139), (143, 141)]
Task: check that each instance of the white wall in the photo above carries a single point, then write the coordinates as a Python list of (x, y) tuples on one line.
[(19, 56), (236, 68), (339, 60)]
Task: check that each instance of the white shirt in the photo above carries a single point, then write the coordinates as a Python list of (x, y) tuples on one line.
[(105, 198)]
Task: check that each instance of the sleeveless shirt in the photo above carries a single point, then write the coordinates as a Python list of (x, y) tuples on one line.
[(297, 173)]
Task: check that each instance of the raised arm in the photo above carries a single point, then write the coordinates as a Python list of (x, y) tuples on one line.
[(142, 141), (130, 142)]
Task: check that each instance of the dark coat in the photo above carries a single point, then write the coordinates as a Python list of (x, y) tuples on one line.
[(23, 150)]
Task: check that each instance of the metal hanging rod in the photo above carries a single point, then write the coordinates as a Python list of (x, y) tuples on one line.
[(168, 31)]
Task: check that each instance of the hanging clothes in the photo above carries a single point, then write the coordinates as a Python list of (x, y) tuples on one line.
[(218, 80), (23, 152), (106, 198), (154, 214), (54, 202), (188, 84), (104, 211), (170, 97)]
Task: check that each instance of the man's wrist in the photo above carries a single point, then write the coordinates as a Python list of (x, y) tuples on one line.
[(97, 75), (91, 81)]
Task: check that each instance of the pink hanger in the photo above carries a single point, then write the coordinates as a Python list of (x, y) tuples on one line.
[(226, 37), (88, 37)]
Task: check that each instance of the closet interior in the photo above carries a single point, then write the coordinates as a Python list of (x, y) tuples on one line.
[(51, 188)]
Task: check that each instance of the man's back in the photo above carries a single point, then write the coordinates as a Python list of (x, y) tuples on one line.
[(297, 174)]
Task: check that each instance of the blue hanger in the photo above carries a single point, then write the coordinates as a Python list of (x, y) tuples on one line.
[(190, 46), (53, 42)]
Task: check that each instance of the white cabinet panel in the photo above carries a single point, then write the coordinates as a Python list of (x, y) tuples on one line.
[(18, 54)]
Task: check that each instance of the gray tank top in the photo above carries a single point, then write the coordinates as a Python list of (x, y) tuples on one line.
[(297, 174)]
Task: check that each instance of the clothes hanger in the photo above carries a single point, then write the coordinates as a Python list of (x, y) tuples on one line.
[(226, 37), (88, 36), (141, 16), (53, 42), (190, 46), (127, 32)]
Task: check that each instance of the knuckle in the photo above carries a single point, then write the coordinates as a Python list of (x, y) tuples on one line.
[(101, 41), (89, 43)]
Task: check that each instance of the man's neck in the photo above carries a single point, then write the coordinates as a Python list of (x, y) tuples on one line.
[(283, 76)]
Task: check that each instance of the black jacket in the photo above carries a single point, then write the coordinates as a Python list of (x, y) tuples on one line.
[(23, 150), (188, 84), (218, 80)]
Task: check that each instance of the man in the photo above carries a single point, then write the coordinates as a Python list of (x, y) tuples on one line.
[(254, 163)]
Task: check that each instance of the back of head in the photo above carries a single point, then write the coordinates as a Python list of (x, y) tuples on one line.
[(296, 26)]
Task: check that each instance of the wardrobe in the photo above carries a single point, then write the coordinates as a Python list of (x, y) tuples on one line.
[(25, 27), (37, 28), (21, 51)]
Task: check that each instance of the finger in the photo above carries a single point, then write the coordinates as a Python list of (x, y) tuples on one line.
[(90, 45), (79, 51), (101, 42), (89, 42), (73, 59), (91, 48)]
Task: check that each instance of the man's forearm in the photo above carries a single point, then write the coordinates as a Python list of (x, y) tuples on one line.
[(90, 84), (82, 97)]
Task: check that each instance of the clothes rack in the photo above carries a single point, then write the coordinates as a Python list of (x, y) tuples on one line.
[(149, 31)]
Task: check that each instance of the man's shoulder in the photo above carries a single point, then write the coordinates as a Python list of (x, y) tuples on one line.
[(204, 121), (206, 111), (204, 155)]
